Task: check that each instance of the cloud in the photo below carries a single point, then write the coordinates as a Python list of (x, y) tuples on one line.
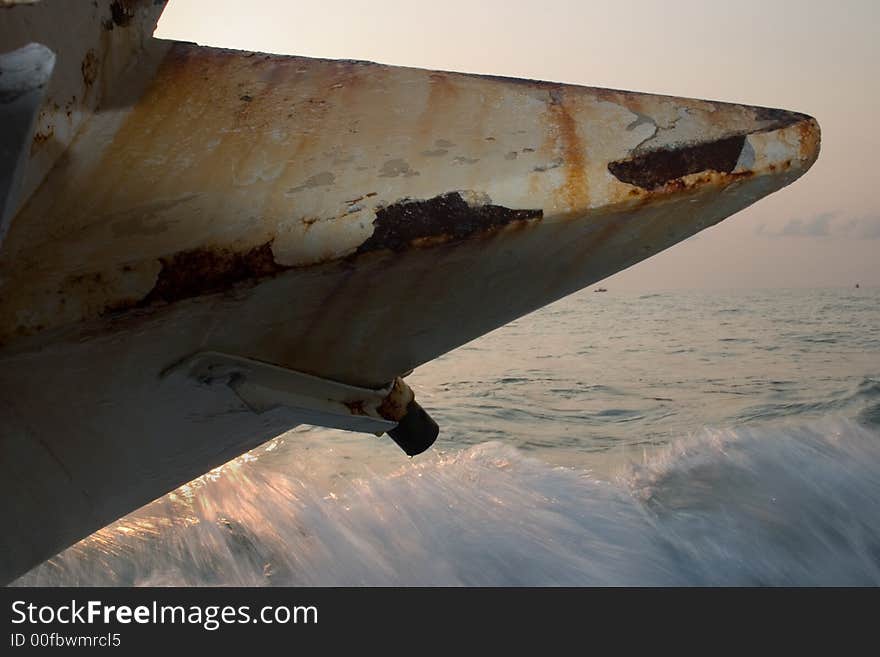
[(863, 228), (818, 226), (826, 224)]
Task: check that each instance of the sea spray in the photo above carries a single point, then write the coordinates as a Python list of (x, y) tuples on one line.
[(765, 506)]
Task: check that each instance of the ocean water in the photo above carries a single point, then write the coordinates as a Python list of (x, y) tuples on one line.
[(683, 438)]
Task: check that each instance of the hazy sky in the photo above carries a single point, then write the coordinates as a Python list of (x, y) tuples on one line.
[(822, 58)]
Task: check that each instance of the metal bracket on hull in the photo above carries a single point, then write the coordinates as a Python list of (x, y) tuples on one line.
[(263, 387)]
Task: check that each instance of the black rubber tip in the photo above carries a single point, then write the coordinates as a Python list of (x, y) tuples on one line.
[(416, 431)]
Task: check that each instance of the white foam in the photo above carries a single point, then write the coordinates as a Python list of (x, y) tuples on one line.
[(753, 506)]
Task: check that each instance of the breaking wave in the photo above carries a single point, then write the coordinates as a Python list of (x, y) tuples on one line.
[(763, 506)]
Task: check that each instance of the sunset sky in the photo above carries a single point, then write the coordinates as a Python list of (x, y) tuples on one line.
[(817, 57)]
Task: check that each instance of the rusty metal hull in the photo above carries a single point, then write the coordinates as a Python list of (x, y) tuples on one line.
[(345, 220)]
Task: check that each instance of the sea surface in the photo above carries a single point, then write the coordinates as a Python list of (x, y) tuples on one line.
[(672, 438)]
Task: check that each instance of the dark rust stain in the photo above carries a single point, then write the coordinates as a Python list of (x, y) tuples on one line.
[(356, 407), (96, 278), (89, 68), (204, 271), (394, 406), (42, 137), (122, 11), (440, 219), (778, 118), (526, 82), (656, 168)]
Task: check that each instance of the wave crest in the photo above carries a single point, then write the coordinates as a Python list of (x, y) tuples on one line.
[(768, 506)]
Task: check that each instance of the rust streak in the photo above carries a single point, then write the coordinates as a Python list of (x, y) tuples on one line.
[(442, 96), (574, 190)]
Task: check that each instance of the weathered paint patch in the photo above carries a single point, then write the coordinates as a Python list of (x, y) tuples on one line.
[(654, 169), (440, 219), (396, 167), (555, 164), (641, 119), (322, 179)]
